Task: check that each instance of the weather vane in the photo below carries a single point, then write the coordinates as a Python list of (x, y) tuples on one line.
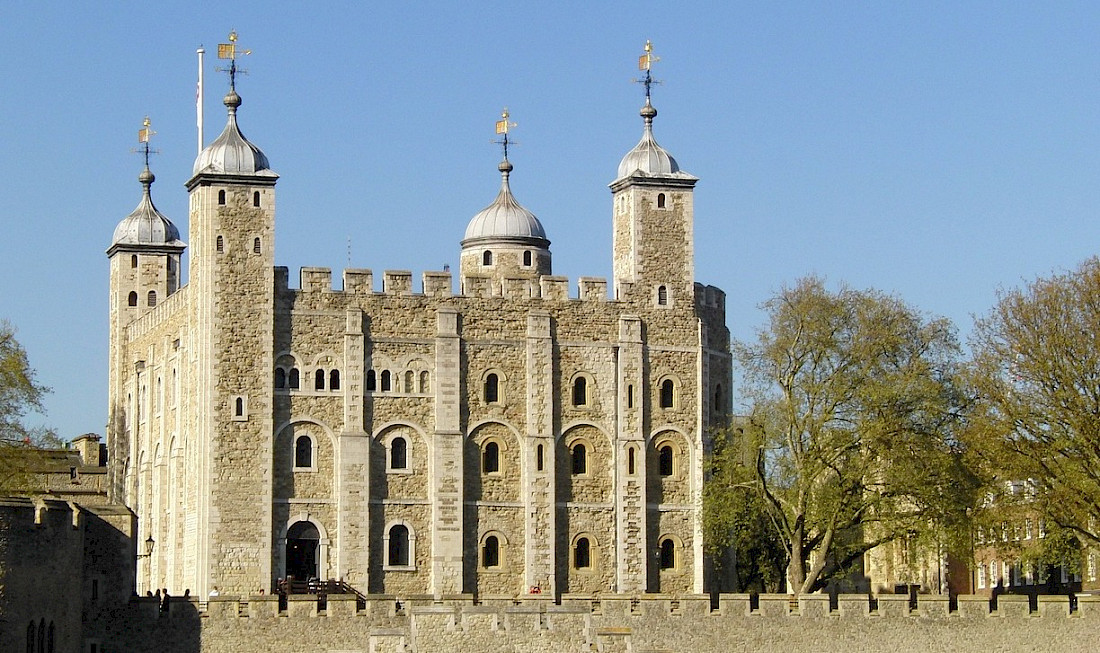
[(645, 62), (231, 51), (144, 135), (502, 128)]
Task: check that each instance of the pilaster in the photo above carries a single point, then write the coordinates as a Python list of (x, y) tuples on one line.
[(445, 468), (539, 456), (630, 489)]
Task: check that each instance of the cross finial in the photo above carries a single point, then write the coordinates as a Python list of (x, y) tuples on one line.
[(502, 127), (645, 62), (230, 51)]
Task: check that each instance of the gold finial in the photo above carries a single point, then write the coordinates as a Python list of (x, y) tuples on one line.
[(503, 125), (229, 50), (145, 133), (646, 61)]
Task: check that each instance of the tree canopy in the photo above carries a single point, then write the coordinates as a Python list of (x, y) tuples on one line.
[(1036, 375), (850, 440), (20, 393)]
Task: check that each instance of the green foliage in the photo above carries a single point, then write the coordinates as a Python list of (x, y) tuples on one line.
[(1036, 375), (854, 409), (19, 393)]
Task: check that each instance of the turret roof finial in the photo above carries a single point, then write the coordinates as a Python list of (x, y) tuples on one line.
[(645, 62), (230, 51), (502, 126), (145, 134)]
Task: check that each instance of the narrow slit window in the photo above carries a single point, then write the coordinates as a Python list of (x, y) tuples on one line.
[(580, 391), (492, 389), (487, 258), (303, 452), (399, 453), (580, 459), (539, 458), (630, 396), (256, 198), (372, 382), (385, 380), (238, 407), (527, 258), (660, 200), (490, 458), (221, 197), (630, 465), (319, 380), (662, 296), (133, 260), (665, 460), (668, 393), (582, 554)]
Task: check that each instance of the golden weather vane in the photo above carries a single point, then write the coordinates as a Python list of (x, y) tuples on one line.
[(645, 62), (146, 132), (502, 127), (231, 51)]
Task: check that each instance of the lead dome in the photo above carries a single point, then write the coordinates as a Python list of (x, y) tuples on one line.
[(146, 226), (231, 153), (505, 218), (648, 157)]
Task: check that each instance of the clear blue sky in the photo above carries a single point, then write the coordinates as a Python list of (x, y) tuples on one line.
[(935, 150)]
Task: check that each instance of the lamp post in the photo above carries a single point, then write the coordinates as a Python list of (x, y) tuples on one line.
[(149, 543)]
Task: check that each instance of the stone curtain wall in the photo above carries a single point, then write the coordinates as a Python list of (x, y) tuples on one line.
[(648, 624)]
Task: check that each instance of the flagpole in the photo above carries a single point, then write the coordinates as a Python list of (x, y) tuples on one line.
[(198, 98)]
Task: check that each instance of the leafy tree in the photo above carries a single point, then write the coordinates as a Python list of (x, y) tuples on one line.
[(19, 393), (852, 427), (1036, 375)]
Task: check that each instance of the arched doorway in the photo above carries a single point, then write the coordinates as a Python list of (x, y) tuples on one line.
[(302, 543)]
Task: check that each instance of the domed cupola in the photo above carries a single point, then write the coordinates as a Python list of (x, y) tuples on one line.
[(146, 228), (647, 157), (231, 153), (504, 240)]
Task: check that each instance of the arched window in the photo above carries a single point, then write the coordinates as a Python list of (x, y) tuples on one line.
[(580, 458), (527, 258), (660, 200), (397, 554), (220, 244), (371, 383), (132, 299), (319, 380), (385, 380), (256, 198), (151, 299), (221, 197), (630, 456), (49, 639), (580, 391), (668, 554), (490, 458), (424, 385), (280, 378), (133, 260), (582, 553), (408, 381), (30, 637), (238, 407), (334, 380), (668, 393), (662, 296), (42, 636), (487, 258), (490, 552), (492, 389), (538, 458), (294, 378), (303, 451), (664, 460), (255, 245), (399, 453)]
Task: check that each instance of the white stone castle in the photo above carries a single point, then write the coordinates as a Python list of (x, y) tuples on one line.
[(506, 438)]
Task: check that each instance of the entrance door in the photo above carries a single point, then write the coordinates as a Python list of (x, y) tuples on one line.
[(302, 541)]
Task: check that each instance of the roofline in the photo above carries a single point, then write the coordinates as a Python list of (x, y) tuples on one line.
[(637, 178), (256, 179), (146, 248)]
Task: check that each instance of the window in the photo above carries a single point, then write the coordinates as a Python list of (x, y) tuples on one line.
[(371, 382), (668, 393), (664, 460), (220, 244), (582, 553), (334, 380), (255, 245), (492, 389), (668, 554), (151, 299), (660, 200), (256, 198), (399, 453), (30, 637), (221, 197), (580, 391), (487, 258), (408, 381), (662, 296), (630, 396), (319, 380), (1027, 528), (630, 465), (580, 459), (132, 299), (397, 553), (538, 458), (294, 378), (490, 458), (424, 385), (981, 577), (490, 552), (133, 260), (385, 380), (718, 398), (993, 582), (303, 452), (527, 258), (238, 407)]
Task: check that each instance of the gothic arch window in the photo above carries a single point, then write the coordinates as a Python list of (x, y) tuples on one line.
[(492, 388), (579, 455), (662, 295), (665, 460), (490, 552), (303, 452), (372, 384), (385, 380), (220, 243), (582, 553), (256, 246), (527, 258), (487, 258), (294, 383), (424, 385), (399, 454), (255, 198), (580, 391), (319, 380), (668, 393), (667, 556), (152, 298), (398, 549), (490, 458), (660, 200), (131, 300), (334, 380), (221, 197), (133, 260)]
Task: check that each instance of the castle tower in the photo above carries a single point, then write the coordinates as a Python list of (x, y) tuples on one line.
[(504, 240), (145, 269), (232, 205), (653, 246)]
